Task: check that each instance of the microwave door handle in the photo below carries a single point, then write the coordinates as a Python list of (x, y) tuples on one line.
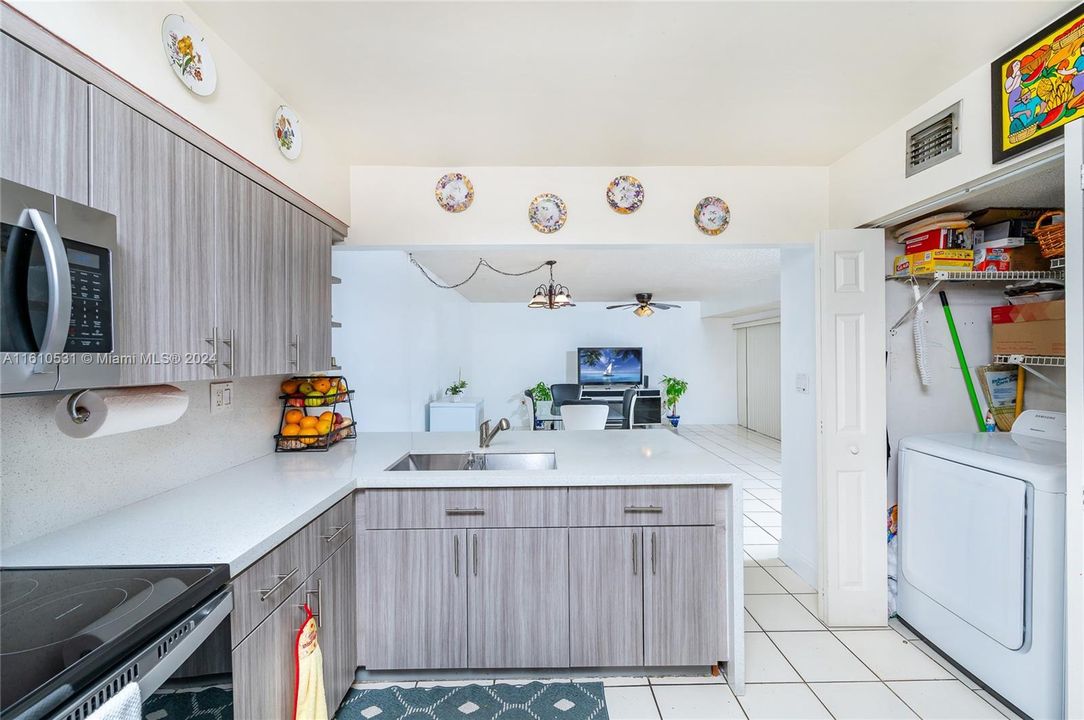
[(60, 287)]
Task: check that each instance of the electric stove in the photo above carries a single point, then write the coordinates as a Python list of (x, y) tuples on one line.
[(63, 628)]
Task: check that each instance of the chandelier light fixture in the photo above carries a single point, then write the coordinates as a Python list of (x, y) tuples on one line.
[(549, 297), (553, 296)]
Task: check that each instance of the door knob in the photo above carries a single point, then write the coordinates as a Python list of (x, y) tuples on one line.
[(854, 449)]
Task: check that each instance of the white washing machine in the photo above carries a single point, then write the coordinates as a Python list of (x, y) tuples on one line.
[(982, 555)]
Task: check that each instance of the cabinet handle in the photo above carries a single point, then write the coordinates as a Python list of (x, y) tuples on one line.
[(652, 553), (233, 351), (338, 530), (318, 613), (296, 345), (643, 509), (282, 579), (213, 342), (475, 556), (464, 511), (634, 562), (455, 553)]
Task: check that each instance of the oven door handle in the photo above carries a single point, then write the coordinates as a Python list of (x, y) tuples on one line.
[(59, 278), (208, 617)]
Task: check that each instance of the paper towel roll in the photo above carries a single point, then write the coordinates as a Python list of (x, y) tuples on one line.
[(123, 410)]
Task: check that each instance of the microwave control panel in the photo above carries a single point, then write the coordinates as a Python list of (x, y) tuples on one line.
[(91, 327)]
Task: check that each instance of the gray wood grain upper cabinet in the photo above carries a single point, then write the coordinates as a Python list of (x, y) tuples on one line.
[(264, 665), (334, 586), (606, 613), (413, 599), (517, 598), (680, 596), (43, 123), (251, 227), (308, 279)]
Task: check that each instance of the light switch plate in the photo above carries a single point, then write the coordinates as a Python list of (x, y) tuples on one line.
[(801, 383), (221, 397)]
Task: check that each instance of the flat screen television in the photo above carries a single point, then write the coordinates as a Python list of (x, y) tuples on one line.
[(611, 366)]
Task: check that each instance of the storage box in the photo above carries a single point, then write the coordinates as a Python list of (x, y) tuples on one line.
[(935, 260), (938, 239), (981, 243), (1023, 258), (1015, 227), (1032, 329), (901, 266)]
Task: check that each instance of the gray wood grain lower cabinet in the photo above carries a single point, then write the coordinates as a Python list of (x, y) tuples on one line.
[(680, 623), (264, 674), (517, 598), (413, 599), (333, 588), (606, 597), (43, 123)]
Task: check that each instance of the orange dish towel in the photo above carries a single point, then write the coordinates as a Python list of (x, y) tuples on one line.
[(309, 700)]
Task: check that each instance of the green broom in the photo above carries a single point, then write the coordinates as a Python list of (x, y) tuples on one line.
[(979, 419)]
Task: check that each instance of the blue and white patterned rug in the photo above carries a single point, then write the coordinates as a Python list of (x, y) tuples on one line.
[(533, 701)]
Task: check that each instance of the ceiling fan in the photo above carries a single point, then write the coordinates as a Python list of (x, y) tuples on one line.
[(643, 305)]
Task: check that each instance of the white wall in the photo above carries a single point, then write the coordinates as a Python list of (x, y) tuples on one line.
[(869, 182), (126, 37), (394, 206), (51, 481), (514, 347), (798, 548), (402, 342)]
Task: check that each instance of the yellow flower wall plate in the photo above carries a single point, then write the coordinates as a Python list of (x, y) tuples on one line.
[(288, 132), (189, 55), (711, 215), (547, 213), (454, 192), (625, 194)]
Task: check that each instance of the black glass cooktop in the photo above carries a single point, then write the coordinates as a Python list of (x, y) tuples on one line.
[(61, 628)]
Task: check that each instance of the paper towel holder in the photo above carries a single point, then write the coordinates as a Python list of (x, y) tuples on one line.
[(78, 413)]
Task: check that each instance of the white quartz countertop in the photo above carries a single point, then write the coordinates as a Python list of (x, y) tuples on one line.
[(236, 516)]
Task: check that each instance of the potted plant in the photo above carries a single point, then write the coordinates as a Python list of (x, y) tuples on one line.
[(542, 397), (674, 389), (455, 390)]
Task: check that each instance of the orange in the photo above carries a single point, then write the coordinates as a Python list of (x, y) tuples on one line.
[(309, 421), (321, 385), (327, 416), (323, 427), (307, 435), (294, 416), (291, 429), (289, 387)]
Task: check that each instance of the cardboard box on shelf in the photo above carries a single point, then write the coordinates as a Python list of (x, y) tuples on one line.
[(935, 260), (1031, 329), (1001, 259), (938, 239), (901, 266)]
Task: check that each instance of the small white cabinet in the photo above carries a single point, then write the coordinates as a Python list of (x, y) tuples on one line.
[(456, 416)]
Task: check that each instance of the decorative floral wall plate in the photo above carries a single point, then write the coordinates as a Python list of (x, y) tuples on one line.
[(711, 215), (189, 55), (547, 213), (625, 194), (288, 132), (455, 192)]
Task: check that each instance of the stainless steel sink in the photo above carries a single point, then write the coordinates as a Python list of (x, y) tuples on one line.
[(417, 462)]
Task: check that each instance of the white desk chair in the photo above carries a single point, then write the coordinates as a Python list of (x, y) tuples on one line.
[(584, 417)]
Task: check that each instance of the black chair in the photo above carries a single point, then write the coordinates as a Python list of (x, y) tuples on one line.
[(564, 392), (626, 408)]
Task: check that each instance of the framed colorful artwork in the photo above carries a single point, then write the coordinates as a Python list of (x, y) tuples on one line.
[(1038, 87)]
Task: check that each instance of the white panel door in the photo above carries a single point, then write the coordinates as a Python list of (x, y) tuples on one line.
[(1074, 396), (852, 478), (742, 377)]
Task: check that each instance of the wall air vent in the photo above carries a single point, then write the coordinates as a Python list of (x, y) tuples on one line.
[(934, 140)]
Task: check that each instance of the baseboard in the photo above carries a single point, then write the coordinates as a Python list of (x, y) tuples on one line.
[(805, 567)]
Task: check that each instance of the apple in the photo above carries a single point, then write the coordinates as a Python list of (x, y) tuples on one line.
[(305, 388), (338, 419), (295, 402)]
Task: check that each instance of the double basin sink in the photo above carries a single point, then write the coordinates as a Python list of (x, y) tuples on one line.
[(419, 462)]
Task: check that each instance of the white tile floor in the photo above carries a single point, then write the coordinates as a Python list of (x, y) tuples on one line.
[(796, 668)]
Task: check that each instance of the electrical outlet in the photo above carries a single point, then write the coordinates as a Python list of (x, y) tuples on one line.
[(801, 383), (221, 397)]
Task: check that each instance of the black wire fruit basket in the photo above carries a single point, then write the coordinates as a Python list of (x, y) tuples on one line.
[(312, 419)]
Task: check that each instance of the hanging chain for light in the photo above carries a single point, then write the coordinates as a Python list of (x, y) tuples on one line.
[(481, 263)]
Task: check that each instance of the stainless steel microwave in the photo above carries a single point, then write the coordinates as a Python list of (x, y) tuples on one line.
[(57, 293)]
